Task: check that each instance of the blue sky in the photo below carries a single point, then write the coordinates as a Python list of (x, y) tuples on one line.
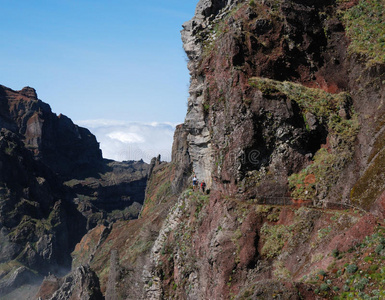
[(98, 59), (120, 62)]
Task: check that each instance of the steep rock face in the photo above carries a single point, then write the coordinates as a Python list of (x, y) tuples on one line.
[(74, 154), (234, 131), (39, 225), (181, 157), (82, 284), (63, 146), (282, 110)]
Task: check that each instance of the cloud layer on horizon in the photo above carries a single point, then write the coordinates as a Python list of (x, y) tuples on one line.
[(132, 140)]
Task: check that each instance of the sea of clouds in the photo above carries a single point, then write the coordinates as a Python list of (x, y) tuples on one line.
[(132, 140)]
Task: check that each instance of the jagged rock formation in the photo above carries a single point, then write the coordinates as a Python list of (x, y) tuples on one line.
[(82, 284), (181, 157), (54, 186), (55, 140), (237, 130), (276, 115), (19, 277), (113, 276)]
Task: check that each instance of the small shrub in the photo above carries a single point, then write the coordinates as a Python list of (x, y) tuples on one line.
[(322, 272), (274, 239), (360, 286), (373, 268), (352, 268), (324, 287), (274, 217), (379, 248), (335, 253), (363, 296)]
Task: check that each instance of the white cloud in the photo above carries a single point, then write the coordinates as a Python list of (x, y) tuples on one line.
[(126, 137), (132, 140)]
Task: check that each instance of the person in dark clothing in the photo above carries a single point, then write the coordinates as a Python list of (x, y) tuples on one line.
[(203, 186)]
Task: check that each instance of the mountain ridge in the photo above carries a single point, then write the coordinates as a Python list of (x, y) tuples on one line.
[(55, 186)]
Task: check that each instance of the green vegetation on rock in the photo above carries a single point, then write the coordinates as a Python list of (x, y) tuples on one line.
[(365, 27), (356, 273), (275, 238), (333, 111)]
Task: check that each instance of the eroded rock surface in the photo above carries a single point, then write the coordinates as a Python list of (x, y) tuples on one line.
[(82, 284)]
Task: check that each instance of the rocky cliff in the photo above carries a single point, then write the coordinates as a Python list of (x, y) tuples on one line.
[(54, 186), (260, 74), (285, 125), (55, 140)]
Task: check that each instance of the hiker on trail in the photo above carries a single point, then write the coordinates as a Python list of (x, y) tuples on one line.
[(195, 182), (203, 186)]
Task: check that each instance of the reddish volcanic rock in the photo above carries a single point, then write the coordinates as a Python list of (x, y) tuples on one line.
[(365, 227)]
